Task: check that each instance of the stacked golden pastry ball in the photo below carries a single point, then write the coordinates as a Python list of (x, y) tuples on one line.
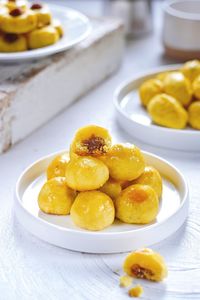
[(98, 181), (25, 26), (172, 98)]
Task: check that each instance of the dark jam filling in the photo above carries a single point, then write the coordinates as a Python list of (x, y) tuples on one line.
[(94, 144), (16, 12), (140, 272), (36, 6), (10, 37)]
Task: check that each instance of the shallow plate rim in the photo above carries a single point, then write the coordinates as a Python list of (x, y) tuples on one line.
[(32, 55), (117, 99), (184, 201)]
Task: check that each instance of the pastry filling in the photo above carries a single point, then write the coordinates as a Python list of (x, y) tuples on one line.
[(10, 37), (36, 6), (16, 12), (94, 144), (137, 196), (140, 272)]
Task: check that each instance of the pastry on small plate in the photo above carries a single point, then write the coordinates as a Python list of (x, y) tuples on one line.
[(194, 115)]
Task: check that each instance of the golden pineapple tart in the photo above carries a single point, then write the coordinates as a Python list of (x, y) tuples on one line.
[(149, 89), (124, 161), (3, 10), (145, 264), (86, 173), (137, 204), (194, 115), (179, 87), (182, 87), (191, 69), (161, 76), (24, 27), (166, 111), (11, 42), (91, 140), (152, 178), (10, 4), (18, 21), (57, 168), (196, 87), (112, 181), (112, 188), (56, 197), (42, 37), (57, 25), (43, 14), (93, 210)]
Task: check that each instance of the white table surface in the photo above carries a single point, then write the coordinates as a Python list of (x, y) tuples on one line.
[(32, 269)]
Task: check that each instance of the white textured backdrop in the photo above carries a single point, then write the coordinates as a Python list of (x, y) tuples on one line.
[(31, 269)]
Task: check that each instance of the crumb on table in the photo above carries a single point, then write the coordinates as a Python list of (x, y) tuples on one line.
[(136, 291), (125, 281)]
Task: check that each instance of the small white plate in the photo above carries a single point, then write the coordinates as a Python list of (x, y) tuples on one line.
[(119, 237), (76, 28), (134, 119)]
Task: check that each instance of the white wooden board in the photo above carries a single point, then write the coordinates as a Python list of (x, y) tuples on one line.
[(33, 93)]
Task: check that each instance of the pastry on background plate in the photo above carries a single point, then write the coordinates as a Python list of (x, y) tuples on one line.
[(161, 76), (149, 89), (196, 87), (191, 69), (194, 115), (166, 111), (12, 4), (179, 87), (11, 42), (43, 14), (34, 21), (18, 20), (168, 102), (42, 37)]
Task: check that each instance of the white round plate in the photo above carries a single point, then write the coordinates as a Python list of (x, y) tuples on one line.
[(76, 28), (119, 237), (135, 120)]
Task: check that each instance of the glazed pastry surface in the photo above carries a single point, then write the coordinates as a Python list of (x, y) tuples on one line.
[(33, 24)]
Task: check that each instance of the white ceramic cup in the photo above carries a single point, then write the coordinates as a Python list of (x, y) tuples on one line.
[(181, 27)]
